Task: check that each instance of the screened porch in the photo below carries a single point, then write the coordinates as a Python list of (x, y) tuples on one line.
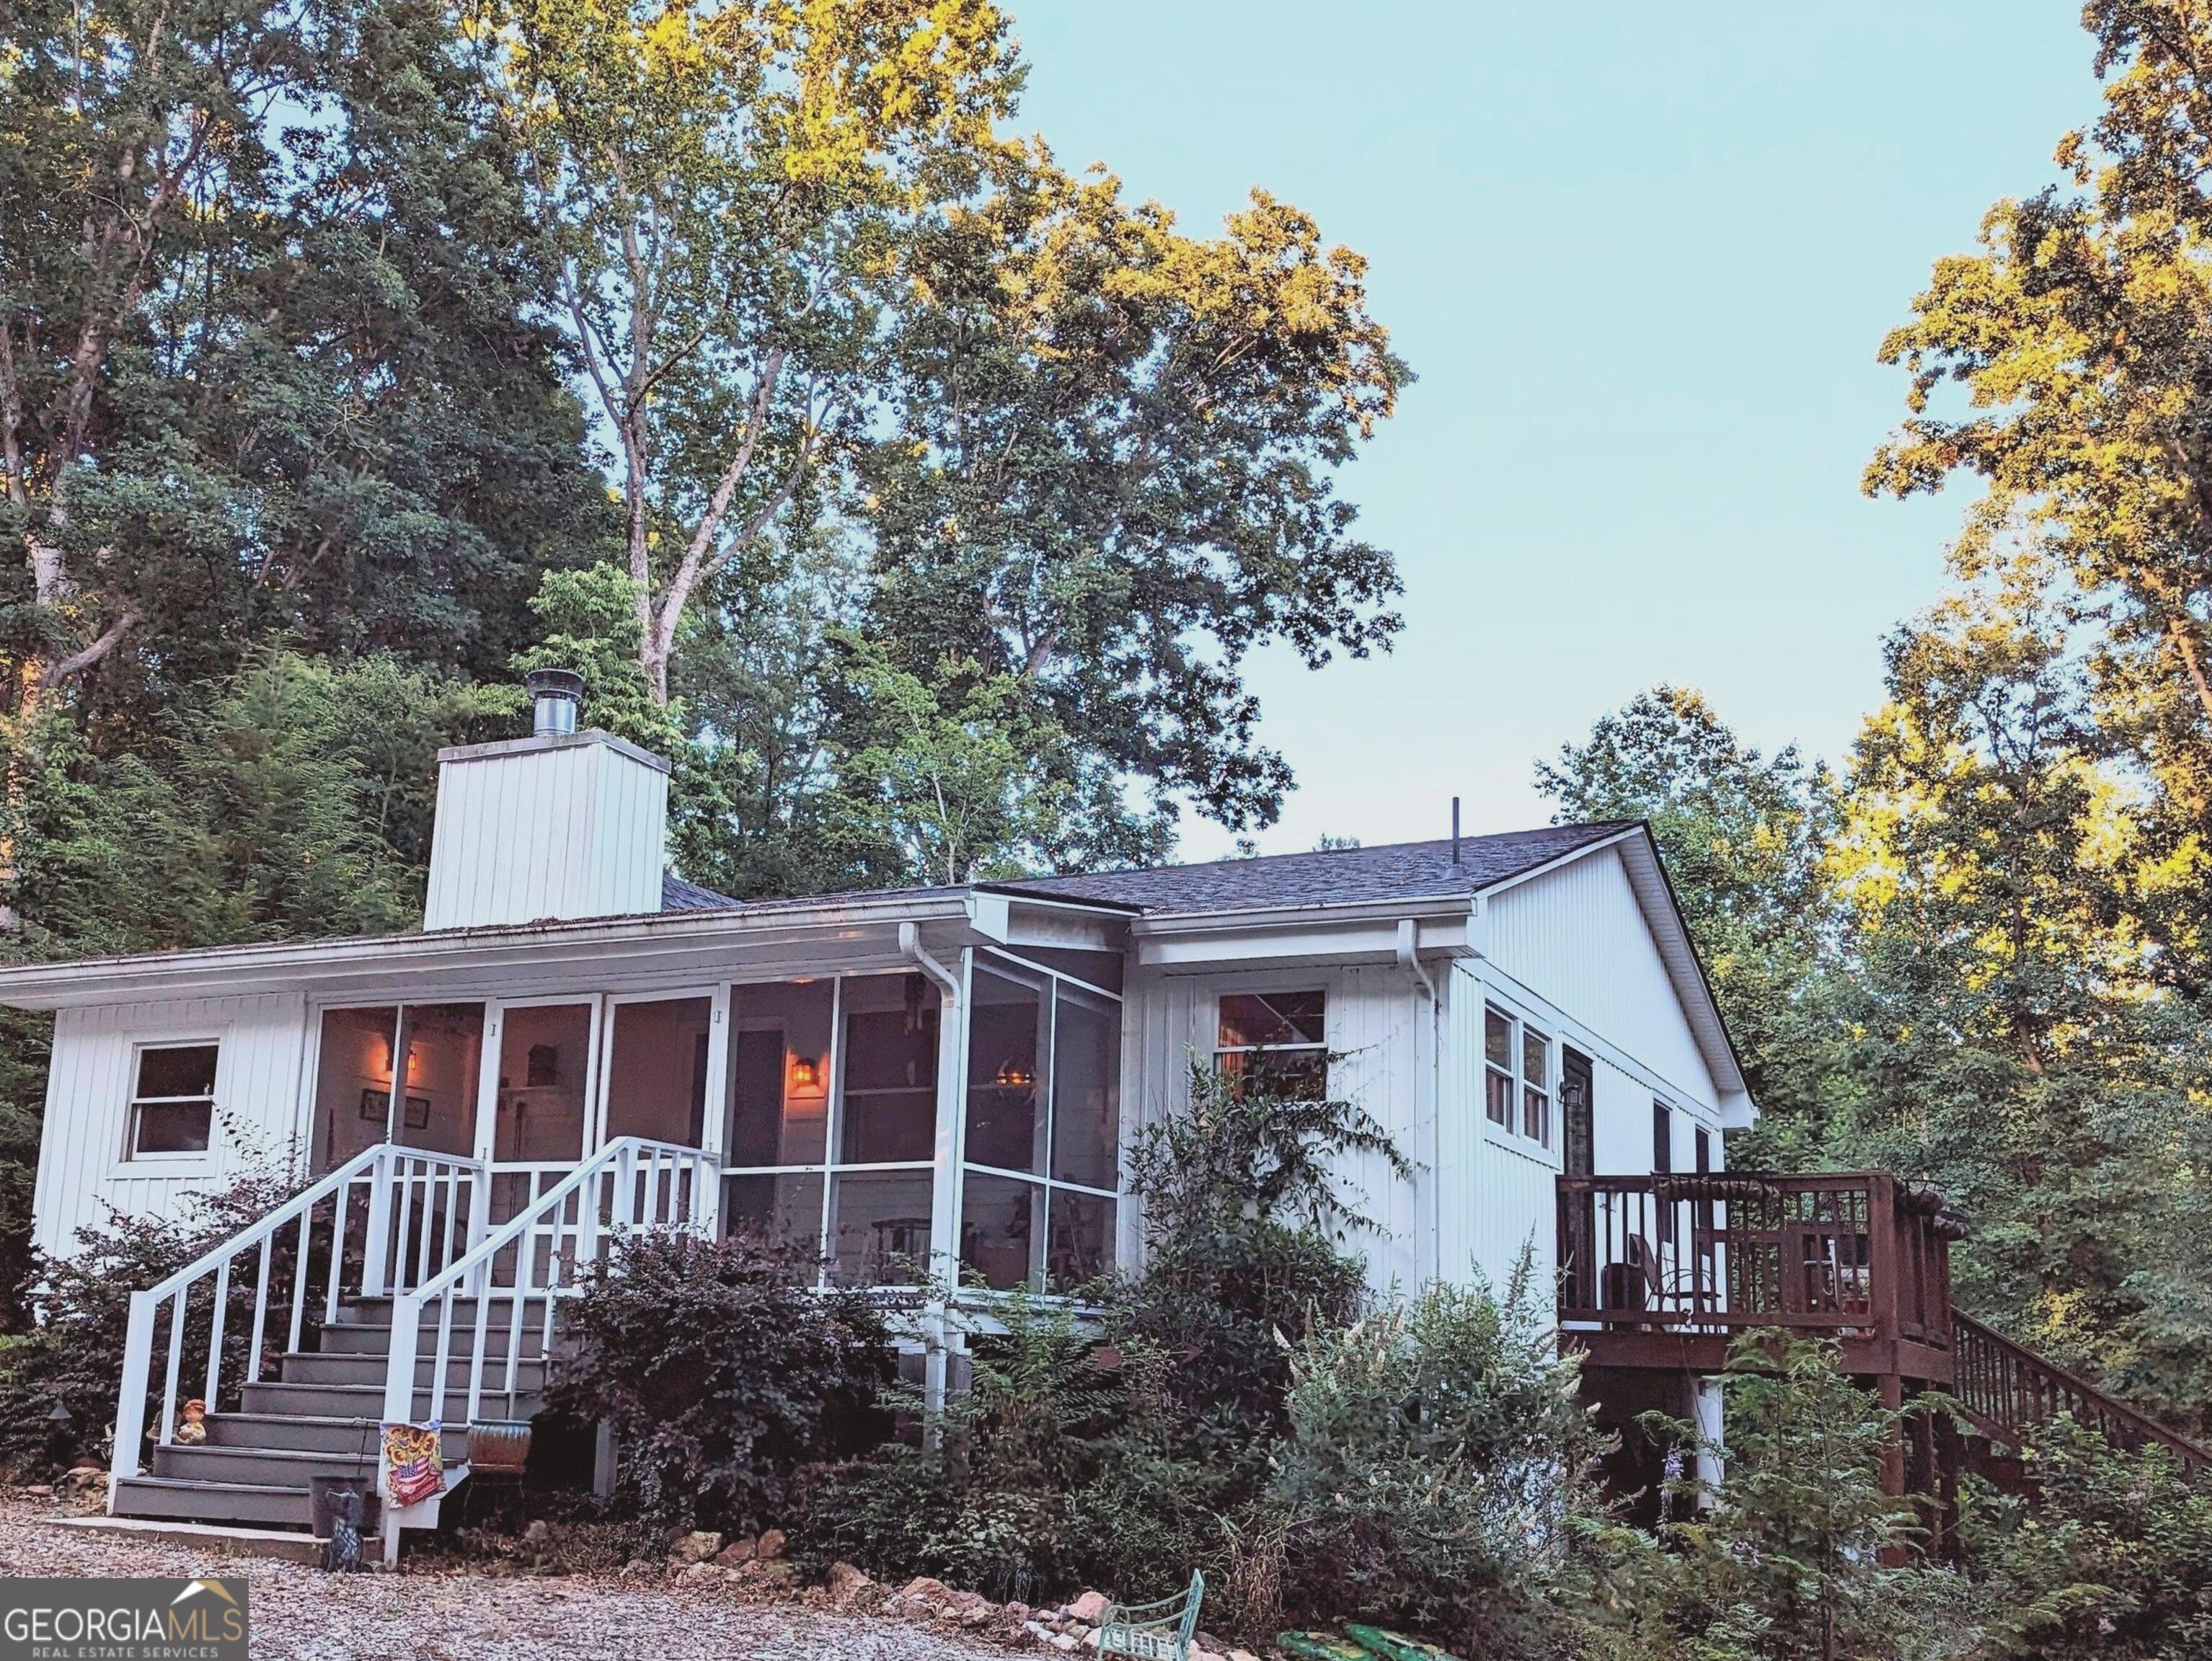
[(850, 1120)]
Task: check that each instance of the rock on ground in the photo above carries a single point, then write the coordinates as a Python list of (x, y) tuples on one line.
[(303, 1613)]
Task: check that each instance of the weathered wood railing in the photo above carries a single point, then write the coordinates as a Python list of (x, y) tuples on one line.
[(388, 1219), (1853, 1256), (2007, 1390)]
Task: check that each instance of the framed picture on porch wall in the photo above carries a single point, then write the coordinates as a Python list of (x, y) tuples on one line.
[(376, 1103), (417, 1116)]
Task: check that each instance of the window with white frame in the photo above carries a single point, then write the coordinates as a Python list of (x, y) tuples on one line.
[(1517, 1075), (1277, 1038), (1041, 1152), (172, 1100)]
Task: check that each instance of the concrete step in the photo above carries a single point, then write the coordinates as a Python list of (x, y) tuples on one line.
[(309, 1433), (262, 1467), (340, 1368), (366, 1400), (289, 1545), (252, 1504)]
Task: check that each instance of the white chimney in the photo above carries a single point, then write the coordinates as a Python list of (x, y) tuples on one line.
[(560, 825)]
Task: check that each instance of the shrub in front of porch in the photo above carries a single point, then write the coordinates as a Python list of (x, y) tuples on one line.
[(72, 1356), (721, 1372)]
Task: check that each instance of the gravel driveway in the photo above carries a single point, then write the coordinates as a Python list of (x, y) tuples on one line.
[(302, 1612)]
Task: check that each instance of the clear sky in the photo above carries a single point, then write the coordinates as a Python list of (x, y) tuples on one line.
[(1640, 257)]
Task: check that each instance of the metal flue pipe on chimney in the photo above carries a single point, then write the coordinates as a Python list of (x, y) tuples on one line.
[(555, 695)]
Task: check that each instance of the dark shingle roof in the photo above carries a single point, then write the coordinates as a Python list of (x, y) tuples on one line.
[(678, 895), (1400, 871)]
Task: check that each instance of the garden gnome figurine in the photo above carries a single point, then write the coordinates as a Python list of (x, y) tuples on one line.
[(191, 1430)]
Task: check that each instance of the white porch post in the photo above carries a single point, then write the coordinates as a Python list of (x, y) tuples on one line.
[(131, 1400), (944, 1185), (375, 1246)]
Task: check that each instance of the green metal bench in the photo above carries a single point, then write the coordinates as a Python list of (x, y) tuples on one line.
[(1153, 1632)]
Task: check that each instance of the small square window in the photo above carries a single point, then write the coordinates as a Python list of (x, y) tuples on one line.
[(173, 1103), (1276, 1040)]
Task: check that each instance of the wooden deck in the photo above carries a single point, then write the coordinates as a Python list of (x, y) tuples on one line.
[(1664, 1272), (1659, 1275)]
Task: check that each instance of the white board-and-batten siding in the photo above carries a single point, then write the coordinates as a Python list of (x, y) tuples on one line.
[(535, 828), (1576, 937), (82, 1168), (1381, 1027)]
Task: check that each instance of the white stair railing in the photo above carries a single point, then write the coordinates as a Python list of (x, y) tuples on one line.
[(410, 1213), (537, 1257)]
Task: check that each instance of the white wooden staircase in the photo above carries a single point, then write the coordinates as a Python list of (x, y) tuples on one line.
[(426, 1313)]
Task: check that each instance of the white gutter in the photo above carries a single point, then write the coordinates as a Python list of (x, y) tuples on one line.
[(296, 964)]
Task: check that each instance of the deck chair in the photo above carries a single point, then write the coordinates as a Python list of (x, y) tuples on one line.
[(1153, 1632)]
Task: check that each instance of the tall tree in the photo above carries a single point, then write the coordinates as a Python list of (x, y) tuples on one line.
[(1109, 472), (268, 358), (2012, 1039), (727, 182)]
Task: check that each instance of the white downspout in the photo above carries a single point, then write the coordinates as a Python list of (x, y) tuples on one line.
[(1409, 938)]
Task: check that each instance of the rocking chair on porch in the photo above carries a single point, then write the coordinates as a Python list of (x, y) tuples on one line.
[(1153, 1632)]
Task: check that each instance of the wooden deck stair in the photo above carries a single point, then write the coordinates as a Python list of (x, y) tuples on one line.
[(2006, 1390), (318, 1417)]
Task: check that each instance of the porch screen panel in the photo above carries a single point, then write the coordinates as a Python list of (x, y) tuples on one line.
[(778, 1209), (879, 1228), (1009, 1047), (657, 1078), (1086, 1089), (1002, 1229), (353, 1081), (442, 1044), (779, 1087), (1081, 1244), (887, 1094), (544, 1064)]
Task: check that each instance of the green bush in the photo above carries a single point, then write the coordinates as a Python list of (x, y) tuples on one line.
[(2113, 1560), (1123, 1448), (1796, 1554), (1436, 1470), (722, 1374), (72, 1355), (1050, 1472)]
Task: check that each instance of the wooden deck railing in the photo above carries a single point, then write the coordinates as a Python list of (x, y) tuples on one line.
[(1850, 1255), (2007, 1390)]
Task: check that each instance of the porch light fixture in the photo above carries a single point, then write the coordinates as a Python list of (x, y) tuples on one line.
[(1012, 1076), (805, 1073)]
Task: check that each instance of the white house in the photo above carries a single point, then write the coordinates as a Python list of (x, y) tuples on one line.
[(941, 1073)]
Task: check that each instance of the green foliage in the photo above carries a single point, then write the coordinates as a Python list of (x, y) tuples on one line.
[(720, 1373), (296, 803), (1122, 1451), (73, 1355), (1051, 1472), (1244, 1218), (2114, 1558), (1436, 1470), (1797, 1554)]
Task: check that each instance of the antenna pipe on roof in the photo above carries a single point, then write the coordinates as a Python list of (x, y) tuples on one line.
[(1454, 864)]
